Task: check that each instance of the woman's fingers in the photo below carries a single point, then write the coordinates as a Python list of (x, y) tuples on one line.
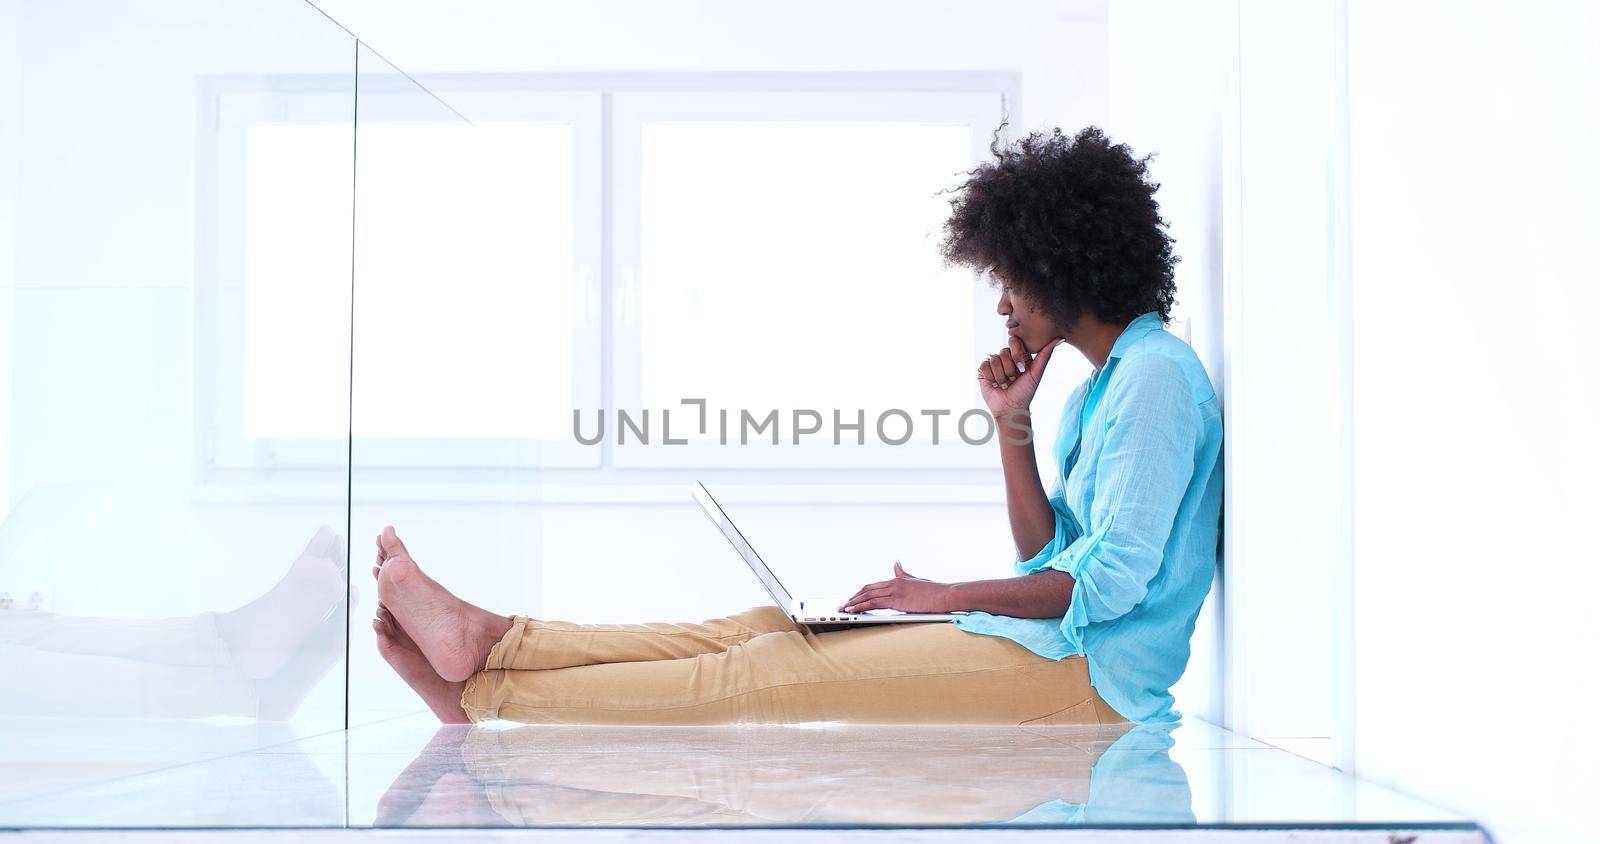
[(997, 371), (872, 603), (1006, 366), (993, 371), (872, 587), (871, 591), (866, 595), (1010, 364), (900, 572)]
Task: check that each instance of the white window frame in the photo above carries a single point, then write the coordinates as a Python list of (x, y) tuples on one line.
[(607, 111), (229, 109), (221, 400)]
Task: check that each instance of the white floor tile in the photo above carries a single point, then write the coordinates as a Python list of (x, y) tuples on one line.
[(409, 772)]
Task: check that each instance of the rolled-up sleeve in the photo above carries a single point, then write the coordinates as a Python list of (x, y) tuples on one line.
[(1067, 532), (1144, 467)]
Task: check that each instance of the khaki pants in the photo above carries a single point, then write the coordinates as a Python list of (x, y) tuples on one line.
[(759, 667)]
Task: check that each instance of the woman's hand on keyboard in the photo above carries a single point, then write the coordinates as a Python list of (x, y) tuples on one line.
[(905, 593)]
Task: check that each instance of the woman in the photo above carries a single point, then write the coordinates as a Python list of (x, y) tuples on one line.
[(1111, 567)]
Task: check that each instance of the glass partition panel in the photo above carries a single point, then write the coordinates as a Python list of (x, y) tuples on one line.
[(174, 319), (467, 247)]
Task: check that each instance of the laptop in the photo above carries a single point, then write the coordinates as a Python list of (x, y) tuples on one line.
[(807, 611)]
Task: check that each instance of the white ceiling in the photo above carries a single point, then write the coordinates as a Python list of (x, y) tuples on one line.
[(428, 36)]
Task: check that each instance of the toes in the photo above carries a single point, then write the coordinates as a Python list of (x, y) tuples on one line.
[(390, 544), (389, 632), (391, 623), (375, 572)]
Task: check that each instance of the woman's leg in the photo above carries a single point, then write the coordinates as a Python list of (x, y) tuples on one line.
[(458, 639), (532, 643), (539, 645), (890, 674)]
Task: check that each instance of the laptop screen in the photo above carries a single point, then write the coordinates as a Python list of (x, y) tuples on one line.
[(737, 540)]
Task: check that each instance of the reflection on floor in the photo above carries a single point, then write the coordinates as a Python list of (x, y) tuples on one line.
[(410, 772)]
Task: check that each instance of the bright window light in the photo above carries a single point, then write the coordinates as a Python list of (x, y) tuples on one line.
[(297, 280), (795, 265), (464, 275)]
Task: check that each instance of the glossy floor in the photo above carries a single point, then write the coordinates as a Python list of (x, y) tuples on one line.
[(409, 771)]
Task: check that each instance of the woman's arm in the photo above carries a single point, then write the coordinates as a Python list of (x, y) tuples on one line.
[(1033, 522), (1008, 381), (1042, 595)]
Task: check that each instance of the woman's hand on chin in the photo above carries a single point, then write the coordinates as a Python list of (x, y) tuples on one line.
[(1009, 378), (904, 593)]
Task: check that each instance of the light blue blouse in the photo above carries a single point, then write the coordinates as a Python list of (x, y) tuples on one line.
[(1137, 503)]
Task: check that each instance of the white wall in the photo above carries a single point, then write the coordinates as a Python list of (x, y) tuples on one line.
[(1474, 176), (1282, 361), (1412, 395), (1058, 47), (10, 79)]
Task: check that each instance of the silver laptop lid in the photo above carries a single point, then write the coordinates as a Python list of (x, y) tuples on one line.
[(736, 539)]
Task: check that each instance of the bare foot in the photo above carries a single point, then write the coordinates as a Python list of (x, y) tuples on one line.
[(402, 654), (454, 635)]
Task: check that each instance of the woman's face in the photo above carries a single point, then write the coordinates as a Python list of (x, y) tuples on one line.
[(1025, 321)]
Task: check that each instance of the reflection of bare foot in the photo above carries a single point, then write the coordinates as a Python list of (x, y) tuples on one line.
[(455, 800), (278, 696), (402, 654), (406, 793), (264, 634), (436, 789), (454, 635)]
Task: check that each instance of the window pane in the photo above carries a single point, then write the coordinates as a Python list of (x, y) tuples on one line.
[(297, 254), (464, 274), (795, 265)]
